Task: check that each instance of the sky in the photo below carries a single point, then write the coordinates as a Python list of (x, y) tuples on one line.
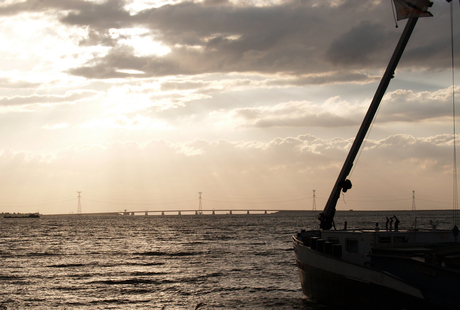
[(141, 104)]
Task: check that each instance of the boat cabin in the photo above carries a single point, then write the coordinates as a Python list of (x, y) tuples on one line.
[(358, 246)]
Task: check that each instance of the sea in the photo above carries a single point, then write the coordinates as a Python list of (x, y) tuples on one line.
[(236, 261)]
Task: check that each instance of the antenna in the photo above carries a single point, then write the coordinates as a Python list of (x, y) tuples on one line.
[(79, 203), (200, 207), (413, 200), (314, 200)]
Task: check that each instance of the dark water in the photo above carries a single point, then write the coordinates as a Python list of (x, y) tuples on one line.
[(162, 262)]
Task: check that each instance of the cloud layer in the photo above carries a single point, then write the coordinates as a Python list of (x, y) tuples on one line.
[(222, 36)]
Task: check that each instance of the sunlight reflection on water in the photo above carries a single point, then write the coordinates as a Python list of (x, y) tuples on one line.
[(162, 262)]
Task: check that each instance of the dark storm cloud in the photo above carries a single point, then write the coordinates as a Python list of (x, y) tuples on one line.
[(98, 38), (105, 15), (109, 14), (107, 67), (357, 46), (215, 36)]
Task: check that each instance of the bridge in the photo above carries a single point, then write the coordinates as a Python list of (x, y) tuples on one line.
[(200, 212)]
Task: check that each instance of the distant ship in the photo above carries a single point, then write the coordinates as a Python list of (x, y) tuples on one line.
[(379, 268), (21, 215)]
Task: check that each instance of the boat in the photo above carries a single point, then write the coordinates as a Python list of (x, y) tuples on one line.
[(378, 268), (21, 215)]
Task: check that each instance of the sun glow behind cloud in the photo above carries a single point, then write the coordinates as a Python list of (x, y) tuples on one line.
[(56, 126), (141, 40), (138, 122)]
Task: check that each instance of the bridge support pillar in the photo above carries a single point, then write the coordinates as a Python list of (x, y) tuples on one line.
[(178, 213), (248, 212), (162, 212)]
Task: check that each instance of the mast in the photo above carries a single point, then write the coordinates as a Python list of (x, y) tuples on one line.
[(343, 184)]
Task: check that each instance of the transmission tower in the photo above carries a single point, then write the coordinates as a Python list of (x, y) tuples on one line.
[(200, 207), (413, 200), (79, 202), (314, 200)]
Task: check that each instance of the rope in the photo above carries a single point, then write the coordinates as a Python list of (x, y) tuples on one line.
[(394, 13), (455, 177)]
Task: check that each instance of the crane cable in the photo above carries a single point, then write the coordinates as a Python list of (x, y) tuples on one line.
[(455, 176)]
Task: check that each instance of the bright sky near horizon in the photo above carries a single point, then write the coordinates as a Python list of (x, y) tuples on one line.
[(141, 104)]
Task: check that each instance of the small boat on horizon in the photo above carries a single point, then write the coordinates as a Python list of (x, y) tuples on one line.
[(379, 269), (21, 215)]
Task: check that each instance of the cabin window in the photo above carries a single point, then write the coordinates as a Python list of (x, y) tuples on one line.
[(333, 240), (386, 239), (399, 239), (352, 245)]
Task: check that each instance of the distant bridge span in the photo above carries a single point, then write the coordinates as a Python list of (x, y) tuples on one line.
[(184, 212), (202, 212)]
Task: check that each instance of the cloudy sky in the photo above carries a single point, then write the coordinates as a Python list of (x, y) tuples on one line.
[(141, 104)]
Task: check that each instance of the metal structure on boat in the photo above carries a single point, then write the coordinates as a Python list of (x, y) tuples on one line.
[(379, 269), (343, 184)]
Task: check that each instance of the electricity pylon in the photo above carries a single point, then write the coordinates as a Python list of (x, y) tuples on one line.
[(200, 207), (314, 200), (79, 202)]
